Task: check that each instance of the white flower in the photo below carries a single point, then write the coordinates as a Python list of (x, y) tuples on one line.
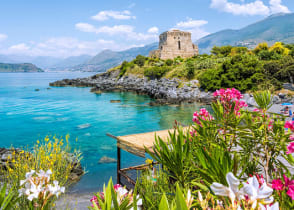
[(121, 192), (232, 191), (33, 192), (256, 192), (56, 189), (45, 174), (268, 207), (28, 177)]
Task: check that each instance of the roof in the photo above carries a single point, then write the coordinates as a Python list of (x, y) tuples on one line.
[(136, 143)]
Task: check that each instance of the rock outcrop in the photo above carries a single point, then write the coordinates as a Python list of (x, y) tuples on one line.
[(165, 91)]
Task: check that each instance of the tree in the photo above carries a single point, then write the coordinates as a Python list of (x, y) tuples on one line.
[(223, 51), (261, 47), (190, 68), (140, 60), (278, 48)]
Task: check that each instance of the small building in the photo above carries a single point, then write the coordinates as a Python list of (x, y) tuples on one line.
[(175, 43)]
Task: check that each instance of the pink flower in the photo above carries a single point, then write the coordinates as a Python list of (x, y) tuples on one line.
[(94, 198), (256, 110), (277, 184), (202, 114), (290, 192), (292, 137), (289, 125), (228, 97), (290, 148), (288, 182), (116, 187)]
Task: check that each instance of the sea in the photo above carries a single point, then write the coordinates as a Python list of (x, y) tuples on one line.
[(30, 110)]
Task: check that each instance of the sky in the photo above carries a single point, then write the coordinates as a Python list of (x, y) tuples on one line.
[(63, 28)]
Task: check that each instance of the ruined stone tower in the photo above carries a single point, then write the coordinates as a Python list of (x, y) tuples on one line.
[(175, 43)]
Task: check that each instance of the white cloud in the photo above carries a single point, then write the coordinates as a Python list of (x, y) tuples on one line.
[(193, 26), (85, 27), (118, 15), (122, 30), (19, 47), (3, 37), (153, 30), (277, 7), (63, 47), (190, 23), (256, 7), (253, 8)]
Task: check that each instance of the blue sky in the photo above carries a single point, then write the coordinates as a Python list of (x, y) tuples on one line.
[(63, 28)]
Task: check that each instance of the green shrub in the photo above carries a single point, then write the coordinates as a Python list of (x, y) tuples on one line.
[(243, 72), (169, 62), (156, 72), (140, 60), (123, 68), (190, 69)]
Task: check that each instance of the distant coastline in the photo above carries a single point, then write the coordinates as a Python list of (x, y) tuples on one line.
[(20, 67)]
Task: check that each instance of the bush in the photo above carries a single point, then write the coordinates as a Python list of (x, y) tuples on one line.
[(156, 72), (190, 69), (223, 51), (123, 68), (54, 155), (169, 62), (140, 60), (241, 71)]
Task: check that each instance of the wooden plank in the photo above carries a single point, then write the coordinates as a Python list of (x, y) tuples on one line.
[(136, 143)]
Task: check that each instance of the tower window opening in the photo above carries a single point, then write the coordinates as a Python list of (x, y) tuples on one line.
[(179, 45)]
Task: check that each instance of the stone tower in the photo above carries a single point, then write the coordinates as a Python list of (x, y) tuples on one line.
[(175, 43)]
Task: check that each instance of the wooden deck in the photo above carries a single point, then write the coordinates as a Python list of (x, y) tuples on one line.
[(136, 143)]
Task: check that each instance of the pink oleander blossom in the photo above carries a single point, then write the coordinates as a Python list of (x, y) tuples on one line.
[(202, 114), (277, 184), (290, 148), (228, 97), (288, 182), (289, 125), (290, 192)]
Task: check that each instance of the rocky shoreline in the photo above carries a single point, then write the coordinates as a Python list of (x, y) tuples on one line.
[(165, 91)]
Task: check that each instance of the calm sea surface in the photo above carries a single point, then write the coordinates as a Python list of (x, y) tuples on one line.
[(27, 115)]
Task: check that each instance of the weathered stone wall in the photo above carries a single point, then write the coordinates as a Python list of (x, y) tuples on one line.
[(173, 44)]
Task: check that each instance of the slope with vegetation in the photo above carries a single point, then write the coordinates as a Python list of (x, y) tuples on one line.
[(263, 67), (22, 67), (275, 28)]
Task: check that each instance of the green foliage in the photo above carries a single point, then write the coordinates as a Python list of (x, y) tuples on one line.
[(153, 185), (110, 201), (190, 69), (169, 62), (179, 202), (123, 68), (156, 72), (140, 60), (241, 71), (8, 199), (223, 51), (174, 156)]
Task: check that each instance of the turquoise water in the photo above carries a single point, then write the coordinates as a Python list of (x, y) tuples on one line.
[(28, 115)]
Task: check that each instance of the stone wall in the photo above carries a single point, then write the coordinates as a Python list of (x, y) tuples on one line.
[(173, 44)]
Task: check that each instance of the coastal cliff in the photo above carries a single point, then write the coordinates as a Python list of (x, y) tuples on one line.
[(165, 91)]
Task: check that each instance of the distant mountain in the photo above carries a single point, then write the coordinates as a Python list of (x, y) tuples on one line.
[(275, 28), (108, 58), (21, 67), (70, 62)]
